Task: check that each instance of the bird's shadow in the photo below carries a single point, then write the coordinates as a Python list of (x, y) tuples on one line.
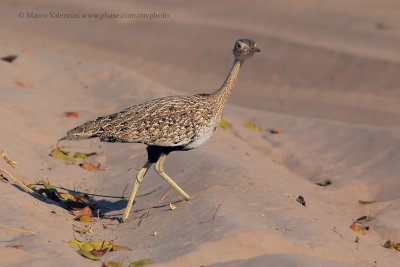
[(107, 207), (103, 207)]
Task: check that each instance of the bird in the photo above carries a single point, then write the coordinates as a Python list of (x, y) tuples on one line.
[(172, 123)]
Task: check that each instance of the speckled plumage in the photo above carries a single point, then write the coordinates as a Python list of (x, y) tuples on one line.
[(167, 124), (169, 121)]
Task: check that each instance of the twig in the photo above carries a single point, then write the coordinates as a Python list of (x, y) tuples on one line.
[(144, 215), (216, 210), (334, 230), (18, 230), (163, 196), (17, 181)]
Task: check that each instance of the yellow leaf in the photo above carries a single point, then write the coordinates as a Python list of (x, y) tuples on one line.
[(114, 264), (59, 154), (172, 206), (66, 196), (74, 242), (140, 263), (90, 167), (224, 124), (84, 218), (252, 126)]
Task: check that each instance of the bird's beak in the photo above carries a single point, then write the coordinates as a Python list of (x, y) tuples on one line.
[(256, 49)]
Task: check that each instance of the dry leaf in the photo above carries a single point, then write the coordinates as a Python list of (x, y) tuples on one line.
[(9, 58), (8, 161), (15, 246), (24, 84), (90, 167), (358, 229), (252, 126), (325, 182), (101, 252), (85, 215), (301, 200), (115, 247), (224, 124), (113, 264), (3, 178), (361, 202), (72, 114), (172, 206), (392, 245), (28, 52), (275, 131)]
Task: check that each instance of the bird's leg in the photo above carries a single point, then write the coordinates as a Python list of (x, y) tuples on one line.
[(138, 181), (160, 169)]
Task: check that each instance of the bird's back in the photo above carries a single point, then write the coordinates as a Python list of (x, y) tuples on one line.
[(169, 121)]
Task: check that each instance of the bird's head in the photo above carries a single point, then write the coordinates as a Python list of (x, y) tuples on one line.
[(244, 48)]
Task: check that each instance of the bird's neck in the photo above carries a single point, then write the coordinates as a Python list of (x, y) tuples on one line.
[(224, 92)]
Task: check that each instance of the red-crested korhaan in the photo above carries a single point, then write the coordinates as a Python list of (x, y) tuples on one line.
[(172, 123)]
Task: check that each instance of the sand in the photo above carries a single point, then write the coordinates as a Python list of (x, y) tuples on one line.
[(327, 78)]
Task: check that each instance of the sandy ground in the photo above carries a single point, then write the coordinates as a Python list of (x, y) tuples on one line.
[(327, 77)]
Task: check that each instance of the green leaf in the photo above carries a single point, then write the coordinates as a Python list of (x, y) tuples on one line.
[(87, 254), (74, 242), (80, 155), (325, 182), (223, 124), (252, 126), (114, 264), (139, 263), (83, 246), (364, 219), (59, 154)]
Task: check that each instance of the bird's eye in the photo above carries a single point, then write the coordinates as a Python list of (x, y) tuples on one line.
[(238, 45)]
